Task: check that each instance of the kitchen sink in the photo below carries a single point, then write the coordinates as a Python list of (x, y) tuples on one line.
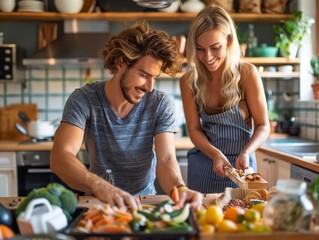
[(303, 150)]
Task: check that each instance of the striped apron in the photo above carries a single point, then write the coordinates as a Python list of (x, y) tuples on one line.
[(228, 132)]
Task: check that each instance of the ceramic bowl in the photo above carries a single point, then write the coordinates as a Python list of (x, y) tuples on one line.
[(69, 6), (172, 8), (265, 51), (7, 5)]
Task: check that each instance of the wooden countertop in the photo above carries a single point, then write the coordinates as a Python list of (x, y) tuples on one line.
[(11, 145), (91, 201), (303, 162)]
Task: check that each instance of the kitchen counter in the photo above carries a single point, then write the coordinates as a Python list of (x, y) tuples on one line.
[(11, 145), (91, 201), (305, 163), (183, 143)]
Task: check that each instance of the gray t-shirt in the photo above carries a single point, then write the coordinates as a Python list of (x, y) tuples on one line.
[(123, 145)]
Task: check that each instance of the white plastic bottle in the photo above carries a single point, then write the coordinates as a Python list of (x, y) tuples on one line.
[(109, 176)]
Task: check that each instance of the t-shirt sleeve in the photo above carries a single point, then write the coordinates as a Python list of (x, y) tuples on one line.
[(76, 110), (166, 117)]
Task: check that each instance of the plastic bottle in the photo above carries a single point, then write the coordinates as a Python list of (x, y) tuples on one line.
[(109, 176), (251, 41), (289, 209)]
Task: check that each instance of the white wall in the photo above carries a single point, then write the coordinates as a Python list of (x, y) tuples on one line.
[(307, 50)]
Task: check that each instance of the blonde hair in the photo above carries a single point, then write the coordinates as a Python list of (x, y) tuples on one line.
[(214, 18)]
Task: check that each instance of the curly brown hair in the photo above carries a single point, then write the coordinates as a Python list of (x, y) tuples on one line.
[(141, 40)]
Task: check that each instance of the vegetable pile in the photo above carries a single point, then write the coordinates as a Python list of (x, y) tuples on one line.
[(163, 218), (56, 194)]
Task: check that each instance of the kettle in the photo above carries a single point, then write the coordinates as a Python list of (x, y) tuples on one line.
[(41, 217)]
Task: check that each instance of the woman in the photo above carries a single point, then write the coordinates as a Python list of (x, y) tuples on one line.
[(224, 102)]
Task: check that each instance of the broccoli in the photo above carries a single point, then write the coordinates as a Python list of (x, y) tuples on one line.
[(56, 194)]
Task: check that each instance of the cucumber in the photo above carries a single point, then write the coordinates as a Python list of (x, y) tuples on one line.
[(150, 216), (182, 217)]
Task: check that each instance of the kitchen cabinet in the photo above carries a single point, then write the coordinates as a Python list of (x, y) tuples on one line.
[(272, 168), (8, 186)]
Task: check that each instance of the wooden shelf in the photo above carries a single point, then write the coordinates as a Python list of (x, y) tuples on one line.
[(272, 60), (133, 16), (283, 75)]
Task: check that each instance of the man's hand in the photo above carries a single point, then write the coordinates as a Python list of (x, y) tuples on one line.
[(190, 196), (116, 197)]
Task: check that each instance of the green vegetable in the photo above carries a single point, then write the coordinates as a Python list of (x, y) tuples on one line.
[(150, 216), (182, 217), (56, 194), (5, 216), (69, 201)]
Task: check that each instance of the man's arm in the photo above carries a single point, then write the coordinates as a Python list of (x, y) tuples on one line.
[(168, 171), (63, 162)]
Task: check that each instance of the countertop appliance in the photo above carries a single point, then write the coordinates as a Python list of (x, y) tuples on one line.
[(7, 62), (303, 174), (33, 170)]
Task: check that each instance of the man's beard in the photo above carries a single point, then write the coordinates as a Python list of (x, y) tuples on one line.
[(125, 89)]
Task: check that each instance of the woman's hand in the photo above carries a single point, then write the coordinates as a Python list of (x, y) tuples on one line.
[(242, 162), (220, 161)]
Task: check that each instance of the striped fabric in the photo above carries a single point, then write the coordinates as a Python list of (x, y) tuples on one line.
[(228, 132)]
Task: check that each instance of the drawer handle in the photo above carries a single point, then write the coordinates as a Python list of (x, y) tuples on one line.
[(39, 170)]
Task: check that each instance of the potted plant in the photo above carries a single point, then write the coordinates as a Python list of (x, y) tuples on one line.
[(314, 63), (273, 119), (289, 35), (242, 39)]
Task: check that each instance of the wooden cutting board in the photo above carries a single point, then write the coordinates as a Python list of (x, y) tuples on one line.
[(47, 33)]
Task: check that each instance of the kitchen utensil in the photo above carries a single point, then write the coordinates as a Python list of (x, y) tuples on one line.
[(24, 117), (174, 6), (70, 6), (47, 33), (22, 130), (88, 5), (37, 129), (41, 217), (157, 4)]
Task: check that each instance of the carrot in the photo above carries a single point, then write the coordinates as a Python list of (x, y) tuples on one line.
[(96, 218), (175, 195), (104, 220), (123, 216), (91, 213)]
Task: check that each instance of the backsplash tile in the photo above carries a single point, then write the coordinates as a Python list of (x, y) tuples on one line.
[(49, 88)]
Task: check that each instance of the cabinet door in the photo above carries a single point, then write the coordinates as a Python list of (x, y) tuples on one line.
[(282, 169), (263, 167), (8, 170), (7, 186), (7, 159)]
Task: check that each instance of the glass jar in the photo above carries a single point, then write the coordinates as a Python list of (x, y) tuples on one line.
[(289, 209)]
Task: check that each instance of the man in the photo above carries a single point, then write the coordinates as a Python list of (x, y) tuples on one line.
[(121, 120)]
